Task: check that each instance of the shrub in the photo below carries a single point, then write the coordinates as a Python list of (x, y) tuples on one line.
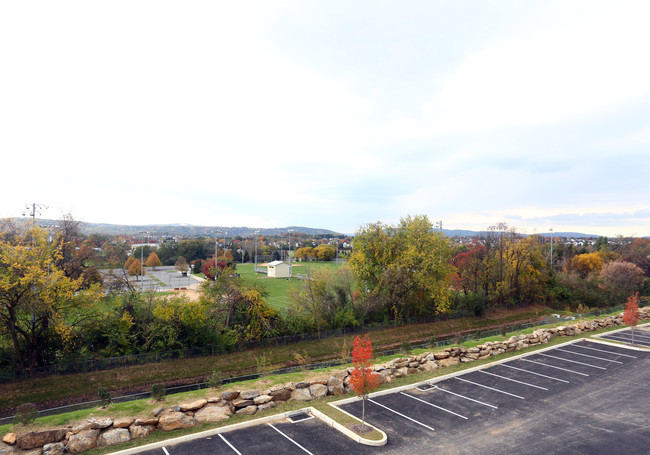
[(406, 347), (104, 396), (216, 379), (158, 392), (432, 341), (26, 413)]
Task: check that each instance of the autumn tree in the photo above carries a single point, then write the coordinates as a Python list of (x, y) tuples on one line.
[(405, 267), (631, 314), (324, 252), (363, 380), (620, 279), (41, 308), (153, 260), (208, 268), (305, 253), (135, 269), (181, 264), (129, 261)]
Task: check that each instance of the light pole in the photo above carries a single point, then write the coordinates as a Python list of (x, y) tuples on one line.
[(290, 231), (256, 233), (216, 254)]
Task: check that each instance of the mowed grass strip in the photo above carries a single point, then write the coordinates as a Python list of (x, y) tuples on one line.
[(84, 386)]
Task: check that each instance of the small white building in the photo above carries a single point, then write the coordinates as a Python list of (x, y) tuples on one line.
[(277, 269)]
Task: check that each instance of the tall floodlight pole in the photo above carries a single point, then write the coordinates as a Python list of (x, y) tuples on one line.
[(216, 254), (256, 233), (290, 231), (551, 249)]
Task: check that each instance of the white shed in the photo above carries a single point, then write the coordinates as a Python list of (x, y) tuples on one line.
[(278, 269)]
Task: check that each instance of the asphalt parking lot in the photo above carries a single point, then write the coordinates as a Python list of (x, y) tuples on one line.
[(641, 336), (579, 398)]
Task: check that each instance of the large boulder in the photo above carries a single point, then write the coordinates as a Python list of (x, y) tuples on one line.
[(230, 395), (172, 420), (9, 438), (249, 394), (122, 422), (114, 436), (318, 391), (302, 394), (193, 405), (82, 441), (335, 385), (34, 439), (140, 431), (212, 413), (262, 399), (248, 410), (265, 406), (281, 395)]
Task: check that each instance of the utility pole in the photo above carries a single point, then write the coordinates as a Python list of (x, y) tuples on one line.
[(34, 209)]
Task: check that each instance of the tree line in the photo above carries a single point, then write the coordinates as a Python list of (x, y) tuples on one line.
[(52, 296)]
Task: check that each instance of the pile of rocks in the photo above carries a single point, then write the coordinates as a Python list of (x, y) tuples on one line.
[(95, 432)]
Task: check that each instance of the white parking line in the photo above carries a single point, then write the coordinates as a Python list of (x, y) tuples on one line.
[(639, 334), (229, 444), (433, 405), (463, 396), (617, 337), (587, 355), (400, 414), (491, 388), (533, 372), (307, 451), (572, 361), (165, 450), (603, 350), (553, 366), (513, 380)]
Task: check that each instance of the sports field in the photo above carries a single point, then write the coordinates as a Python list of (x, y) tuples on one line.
[(278, 288)]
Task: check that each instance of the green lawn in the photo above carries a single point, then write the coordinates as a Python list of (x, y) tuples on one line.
[(278, 288)]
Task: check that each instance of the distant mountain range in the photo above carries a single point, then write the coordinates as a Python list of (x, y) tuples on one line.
[(188, 230)]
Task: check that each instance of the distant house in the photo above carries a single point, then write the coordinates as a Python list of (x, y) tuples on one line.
[(277, 269)]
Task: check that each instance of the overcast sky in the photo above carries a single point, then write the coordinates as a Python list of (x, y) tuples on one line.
[(329, 114)]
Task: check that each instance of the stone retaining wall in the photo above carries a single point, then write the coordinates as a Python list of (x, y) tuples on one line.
[(217, 407)]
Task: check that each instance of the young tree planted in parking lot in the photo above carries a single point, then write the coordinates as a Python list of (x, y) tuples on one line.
[(181, 264), (362, 379), (631, 314), (135, 269), (153, 261)]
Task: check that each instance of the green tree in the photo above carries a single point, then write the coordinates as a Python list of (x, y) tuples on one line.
[(405, 267)]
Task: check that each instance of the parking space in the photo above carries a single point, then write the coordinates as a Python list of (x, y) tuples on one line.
[(308, 436), (584, 397), (509, 407), (639, 336)]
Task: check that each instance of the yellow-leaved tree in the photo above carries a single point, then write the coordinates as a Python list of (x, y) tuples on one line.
[(41, 309)]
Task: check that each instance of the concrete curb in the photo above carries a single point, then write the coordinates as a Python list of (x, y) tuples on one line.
[(450, 375), (351, 434)]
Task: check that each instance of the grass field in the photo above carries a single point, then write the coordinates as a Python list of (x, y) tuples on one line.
[(278, 288)]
